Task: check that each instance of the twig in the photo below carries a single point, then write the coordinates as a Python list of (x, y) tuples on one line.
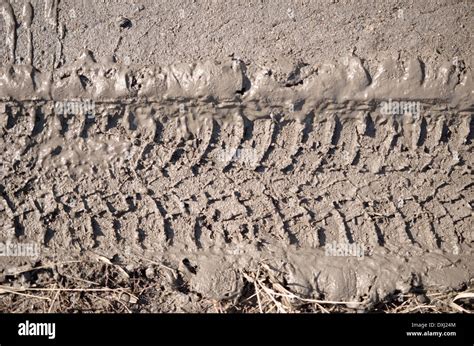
[(6, 290), (54, 300)]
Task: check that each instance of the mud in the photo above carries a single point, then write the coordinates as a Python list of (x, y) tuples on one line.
[(213, 165)]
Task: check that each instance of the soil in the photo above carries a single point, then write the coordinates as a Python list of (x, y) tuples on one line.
[(177, 150)]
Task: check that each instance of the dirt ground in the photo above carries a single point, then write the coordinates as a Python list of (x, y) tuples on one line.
[(244, 156)]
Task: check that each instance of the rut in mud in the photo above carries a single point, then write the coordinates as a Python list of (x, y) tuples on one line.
[(220, 182)]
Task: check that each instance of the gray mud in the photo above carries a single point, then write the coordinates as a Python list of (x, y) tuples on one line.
[(254, 135)]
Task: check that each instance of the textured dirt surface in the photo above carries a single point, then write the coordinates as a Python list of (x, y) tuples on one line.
[(224, 137)]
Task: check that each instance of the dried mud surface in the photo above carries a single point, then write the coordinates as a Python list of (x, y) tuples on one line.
[(230, 137)]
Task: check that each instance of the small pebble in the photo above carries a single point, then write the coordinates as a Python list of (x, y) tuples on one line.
[(124, 23), (422, 299), (130, 268), (125, 298), (150, 273)]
